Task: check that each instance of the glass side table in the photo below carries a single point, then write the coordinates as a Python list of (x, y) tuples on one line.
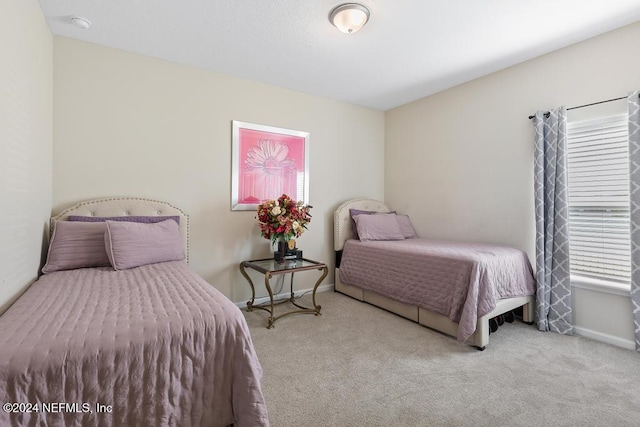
[(270, 267)]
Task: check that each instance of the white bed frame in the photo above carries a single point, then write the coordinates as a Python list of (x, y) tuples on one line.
[(127, 206), (480, 338)]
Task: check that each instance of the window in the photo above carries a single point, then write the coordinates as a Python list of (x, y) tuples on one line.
[(598, 178)]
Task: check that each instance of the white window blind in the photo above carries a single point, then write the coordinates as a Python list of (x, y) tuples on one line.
[(598, 163)]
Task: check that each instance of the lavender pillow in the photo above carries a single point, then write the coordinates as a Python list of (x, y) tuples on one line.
[(378, 227), (132, 244), (406, 227), (76, 245), (143, 219), (355, 212)]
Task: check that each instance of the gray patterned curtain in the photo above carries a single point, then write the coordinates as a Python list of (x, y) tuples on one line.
[(634, 188), (553, 296)]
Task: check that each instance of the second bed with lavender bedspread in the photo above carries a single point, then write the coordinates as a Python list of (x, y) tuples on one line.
[(462, 281)]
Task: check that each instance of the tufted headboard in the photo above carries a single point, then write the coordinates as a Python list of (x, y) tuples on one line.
[(127, 206), (342, 220)]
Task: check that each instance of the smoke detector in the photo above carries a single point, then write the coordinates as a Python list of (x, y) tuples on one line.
[(80, 22)]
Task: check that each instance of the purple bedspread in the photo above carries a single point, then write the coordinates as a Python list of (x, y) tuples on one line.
[(157, 344), (462, 281)]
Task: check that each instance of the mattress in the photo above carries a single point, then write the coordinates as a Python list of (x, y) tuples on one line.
[(462, 281), (153, 345)]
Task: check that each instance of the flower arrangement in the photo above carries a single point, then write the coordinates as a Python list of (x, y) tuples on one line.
[(283, 219)]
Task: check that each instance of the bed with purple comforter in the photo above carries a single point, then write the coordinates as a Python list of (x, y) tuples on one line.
[(156, 344), (120, 331), (462, 281), (460, 289)]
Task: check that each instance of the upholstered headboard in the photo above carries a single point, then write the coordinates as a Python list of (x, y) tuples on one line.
[(127, 206), (342, 220)]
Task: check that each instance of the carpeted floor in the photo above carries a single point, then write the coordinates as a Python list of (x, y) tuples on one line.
[(358, 365)]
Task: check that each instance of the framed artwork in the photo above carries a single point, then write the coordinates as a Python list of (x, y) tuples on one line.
[(267, 162)]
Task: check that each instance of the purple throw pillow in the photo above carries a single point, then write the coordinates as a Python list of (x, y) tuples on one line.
[(378, 227), (406, 227), (353, 213), (142, 219), (133, 244), (76, 245)]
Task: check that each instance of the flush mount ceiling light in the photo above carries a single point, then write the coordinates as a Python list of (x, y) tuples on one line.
[(80, 22), (349, 17)]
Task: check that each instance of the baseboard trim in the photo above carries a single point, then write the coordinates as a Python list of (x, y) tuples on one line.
[(606, 338), (283, 295)]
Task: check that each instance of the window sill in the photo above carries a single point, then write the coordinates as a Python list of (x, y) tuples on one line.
[(600, 286)]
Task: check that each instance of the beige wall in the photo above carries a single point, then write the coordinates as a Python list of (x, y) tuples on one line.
[(25, 143), (126, 124), (460, 162)]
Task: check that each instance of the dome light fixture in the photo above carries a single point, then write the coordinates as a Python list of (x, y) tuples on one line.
[(349, 17), (80, 22)]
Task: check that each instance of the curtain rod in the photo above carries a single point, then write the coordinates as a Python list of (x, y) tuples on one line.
[(589, 105)]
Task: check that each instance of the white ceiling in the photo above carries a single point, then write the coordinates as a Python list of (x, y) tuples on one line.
[(409, 48)]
